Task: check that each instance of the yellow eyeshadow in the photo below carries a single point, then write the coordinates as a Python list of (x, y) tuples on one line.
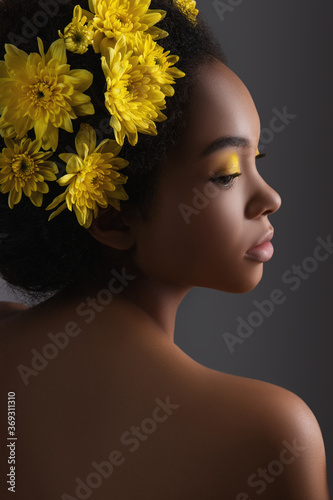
[(231, 165), (258, 152)]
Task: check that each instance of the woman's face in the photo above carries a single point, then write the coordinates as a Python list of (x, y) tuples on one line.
[(201, 228)]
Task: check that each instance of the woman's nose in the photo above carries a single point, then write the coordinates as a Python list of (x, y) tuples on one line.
[(264, 200)]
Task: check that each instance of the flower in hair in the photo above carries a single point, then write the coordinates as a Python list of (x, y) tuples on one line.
[(114, 18), (92, 177), (40, 91), (78, 34), (24, 169), (159, 62), (188, 8), (133, 98)]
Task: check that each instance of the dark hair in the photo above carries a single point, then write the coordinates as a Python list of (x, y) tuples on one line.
[(37, 256)]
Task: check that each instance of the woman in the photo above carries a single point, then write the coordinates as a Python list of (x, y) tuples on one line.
[(105, 402)]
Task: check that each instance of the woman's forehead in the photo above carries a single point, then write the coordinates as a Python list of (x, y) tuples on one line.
[(221, 105)]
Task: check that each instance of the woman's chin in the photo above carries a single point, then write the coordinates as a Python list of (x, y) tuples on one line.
[(239, 284)]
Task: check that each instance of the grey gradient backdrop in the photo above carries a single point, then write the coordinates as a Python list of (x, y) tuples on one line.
[(282, 52)]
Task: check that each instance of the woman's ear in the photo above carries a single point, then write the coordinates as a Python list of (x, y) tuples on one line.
[(114, 228)]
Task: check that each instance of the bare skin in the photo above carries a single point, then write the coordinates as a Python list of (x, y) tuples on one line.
[(223, 435)]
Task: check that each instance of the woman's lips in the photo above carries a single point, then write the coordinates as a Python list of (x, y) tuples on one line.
[(264, 249), (261, 253)]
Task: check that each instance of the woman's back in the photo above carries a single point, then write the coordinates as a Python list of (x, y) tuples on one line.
[(116, 410), (105, 405)]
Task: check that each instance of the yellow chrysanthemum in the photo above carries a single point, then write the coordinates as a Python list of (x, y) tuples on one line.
[(78, 35), (114, 18), (92, 177), (188, 7), (133, 98), (160, 63), (24, 168), (40, 91)]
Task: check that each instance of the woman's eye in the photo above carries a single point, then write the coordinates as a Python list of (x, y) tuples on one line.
[(226, 180)]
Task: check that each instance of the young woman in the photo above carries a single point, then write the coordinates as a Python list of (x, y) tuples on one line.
[(105, 404)]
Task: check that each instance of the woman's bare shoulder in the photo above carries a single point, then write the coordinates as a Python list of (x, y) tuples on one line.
[(273, 436), (269, 408)]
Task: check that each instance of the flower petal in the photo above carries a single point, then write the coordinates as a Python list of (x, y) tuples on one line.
[(56, 201), (65, 179), (81, 78), (40, 129), (86, 135), (50, 140), (57, 51), (74, 165), (14, 197), (85, 109), (36, 198), (66, 157), (58, 211)]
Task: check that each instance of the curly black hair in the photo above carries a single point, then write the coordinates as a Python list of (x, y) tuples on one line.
[(39, 257)]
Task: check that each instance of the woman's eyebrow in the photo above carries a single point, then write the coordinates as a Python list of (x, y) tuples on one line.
[(224, 142)]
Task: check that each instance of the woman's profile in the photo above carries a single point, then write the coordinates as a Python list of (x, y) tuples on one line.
[(115, 118)]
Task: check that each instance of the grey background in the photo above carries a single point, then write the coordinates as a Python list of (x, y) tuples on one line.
[(282, 52)]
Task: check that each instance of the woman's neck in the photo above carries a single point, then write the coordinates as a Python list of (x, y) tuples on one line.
[(150, 302)]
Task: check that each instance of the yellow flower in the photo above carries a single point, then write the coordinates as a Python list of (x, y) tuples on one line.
[(114, 18), (41, 92), (160, 63), (92, 177), (24, 168), (133, 98), (77, 35), (188, 8)]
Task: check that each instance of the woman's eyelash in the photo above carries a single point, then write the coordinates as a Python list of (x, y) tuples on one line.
[(261, 155), (226, 180)]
